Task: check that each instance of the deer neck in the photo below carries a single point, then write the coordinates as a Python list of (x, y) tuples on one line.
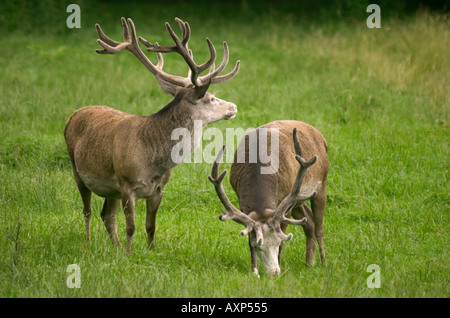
[(173, 124)]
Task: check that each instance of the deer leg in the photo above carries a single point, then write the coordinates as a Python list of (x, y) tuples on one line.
[(318, 209), (128, 201), (87, 211), (279, 253), (283, 228), (109, 218), (308, 228), (254, 258), (152, 209), (86, 198)]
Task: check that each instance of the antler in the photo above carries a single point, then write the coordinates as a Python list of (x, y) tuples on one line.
[(181, 47), (130, 43), (231, 213), (294, 196)]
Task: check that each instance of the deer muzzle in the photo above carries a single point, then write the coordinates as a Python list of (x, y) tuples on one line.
[(232, 111)]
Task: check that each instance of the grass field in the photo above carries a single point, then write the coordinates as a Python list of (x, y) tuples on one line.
[(379, 96)]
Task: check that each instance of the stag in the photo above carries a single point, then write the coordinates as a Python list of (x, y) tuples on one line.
[(123, 157), (268, 200)]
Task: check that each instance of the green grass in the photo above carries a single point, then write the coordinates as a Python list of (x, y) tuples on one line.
[(380, 98)]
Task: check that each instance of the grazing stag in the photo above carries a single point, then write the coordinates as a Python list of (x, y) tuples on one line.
[(125, 157), (267, 201)]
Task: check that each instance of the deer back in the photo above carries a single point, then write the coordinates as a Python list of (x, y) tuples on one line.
[(258, 192)]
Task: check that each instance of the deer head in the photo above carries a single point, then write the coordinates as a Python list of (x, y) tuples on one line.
[(265, 233), (189, 91)]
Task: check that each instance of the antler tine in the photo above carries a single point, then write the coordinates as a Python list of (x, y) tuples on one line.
[(175, 38), (280, 233), (110, 46), (108, 49), (185, 30), (224, 78), (160, 61), (298, 149), (216, 180), (156, 47), (213, 73), (215, 167), (103, 37), (126, 31), (212, 59), (223, 64), (231, 213), (304, 165)]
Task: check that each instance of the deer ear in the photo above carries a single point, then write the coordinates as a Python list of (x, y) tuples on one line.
[(167, 87), (199, 92)]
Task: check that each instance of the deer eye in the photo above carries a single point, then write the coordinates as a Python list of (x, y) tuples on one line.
[(213, 99)]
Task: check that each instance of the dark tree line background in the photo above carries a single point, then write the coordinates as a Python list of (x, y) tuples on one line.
[(49, 16)]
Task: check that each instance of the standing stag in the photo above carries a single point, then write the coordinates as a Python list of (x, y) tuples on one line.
[(125, 157), (267, 201)]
